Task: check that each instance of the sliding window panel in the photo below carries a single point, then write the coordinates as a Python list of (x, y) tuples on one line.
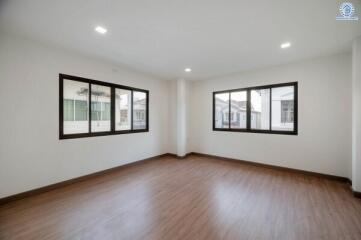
[(139, 110), (238, 116), (123, 117), (260, 109), (100, 108), (75, 107), (283, 106), (221, 110)]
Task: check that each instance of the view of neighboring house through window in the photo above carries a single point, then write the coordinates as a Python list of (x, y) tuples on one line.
[(112, 108), (260, 109), (81, 110), (239, 109), (286, 111), (139, 110), (271, 108), (225, 117), (69, 110), (283, 108), (75, 107), (122, 109), (221, 110), (100, 108)]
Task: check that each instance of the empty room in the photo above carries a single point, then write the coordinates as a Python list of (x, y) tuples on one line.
[(180, 120)]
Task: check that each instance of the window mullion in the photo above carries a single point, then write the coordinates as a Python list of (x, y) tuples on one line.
[(229, 110), (214, 112), (147, 110), (131, 110), (295, 108), (270, 109), (248, 111), (112, 109), (90, 106)]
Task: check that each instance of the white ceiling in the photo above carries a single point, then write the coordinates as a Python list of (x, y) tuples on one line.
[(162, 37)]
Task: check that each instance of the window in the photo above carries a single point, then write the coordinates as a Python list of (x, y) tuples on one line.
[(100, 108), (260, 109), (123, 98), (93, 108), (75, 107), (238, 109), (263, 109), (139, 110), (283, 105), (221, 110)]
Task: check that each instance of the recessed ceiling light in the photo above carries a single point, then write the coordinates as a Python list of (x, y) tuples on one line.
[(286, 45), (101, 30), (188, 70)]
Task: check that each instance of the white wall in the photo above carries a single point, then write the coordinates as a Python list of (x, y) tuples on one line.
[(173, 118), (324, 141), (31, 154), (181, 118), (356, 115)]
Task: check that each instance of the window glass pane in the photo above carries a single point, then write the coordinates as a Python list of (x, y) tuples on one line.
[(122, 109), (68, 110), (139, 110), (283, 108), (106, 111), (100, 116), (221, 110), (260, 109), (75, 107), (239, 109), (81, 110), (96, 111)]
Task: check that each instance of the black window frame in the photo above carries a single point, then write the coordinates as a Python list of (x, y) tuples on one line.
[(248, 111), (112, 86)]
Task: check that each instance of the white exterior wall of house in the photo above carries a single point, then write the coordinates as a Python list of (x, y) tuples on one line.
[(219, 115), (243, 119)]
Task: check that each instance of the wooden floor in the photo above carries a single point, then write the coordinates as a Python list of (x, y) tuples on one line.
[(194, 198)]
